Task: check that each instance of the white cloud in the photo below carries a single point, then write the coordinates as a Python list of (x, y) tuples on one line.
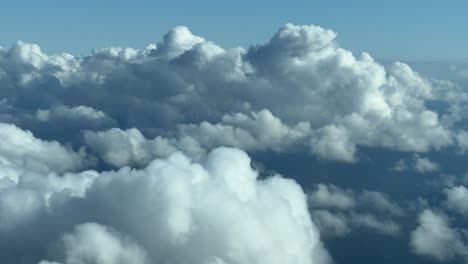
[(387, 227), (94, 243), (418, 164), (314, 95), (129, 147), (337, 212), (177, 41), (330, 196), (73, 113), (20, 149), (18, 207), (457, 199), (380, 202), (174, 210), (257, 131), (434, 237), (424, 165), (331, 224)]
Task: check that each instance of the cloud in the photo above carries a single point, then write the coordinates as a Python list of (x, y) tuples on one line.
[(74, 113), (380, 202), (21, 150), (434, 237), (418, 164), (174, 210), (257, 131), (462, 140), (314, 95), (331, 197), (370, 221), (160, 117), (129, 147), (94, 243), (331, 224), (457, 199), (337, 212)]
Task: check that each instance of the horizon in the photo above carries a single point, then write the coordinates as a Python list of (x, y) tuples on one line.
[(404, 31)]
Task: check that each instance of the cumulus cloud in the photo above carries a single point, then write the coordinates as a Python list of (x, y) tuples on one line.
[(171, 211), (94, 243), (418, 164), (337, 212), (434, 237), (73, 113), (320, 97), (21, 150), (65, 120), (130, 147), (457, 199), (331, 197), (257, 131)]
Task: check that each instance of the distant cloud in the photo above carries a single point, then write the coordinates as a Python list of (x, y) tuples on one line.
[(20, 150), (418, 164), (338, 211), (434, 237), (316, 96), (457, 199)]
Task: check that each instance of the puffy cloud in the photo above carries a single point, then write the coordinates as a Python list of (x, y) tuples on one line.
[(331, 224), (457, 199), (257, 131), (337, 212), (312, 94), (72, 113), (171, 211), (434, 237), (339, 224), (21, 150), (331, 197), (129, 147), (299, 92), (380, 202), (334, 142), (176, 42), (63, 122), (370, 221), (424, 165), (418, 164), (17, 206), (94, 243)]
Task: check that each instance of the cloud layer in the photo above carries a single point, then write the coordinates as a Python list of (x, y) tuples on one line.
[(143, 156), (299, 91)]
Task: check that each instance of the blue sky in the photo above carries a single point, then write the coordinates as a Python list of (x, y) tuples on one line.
[(405, 30)]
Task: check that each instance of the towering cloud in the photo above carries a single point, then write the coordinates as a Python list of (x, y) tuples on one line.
[(309, 93)]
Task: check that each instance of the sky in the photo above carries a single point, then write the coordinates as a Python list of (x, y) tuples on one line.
[(404, 30), (233, 133)]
